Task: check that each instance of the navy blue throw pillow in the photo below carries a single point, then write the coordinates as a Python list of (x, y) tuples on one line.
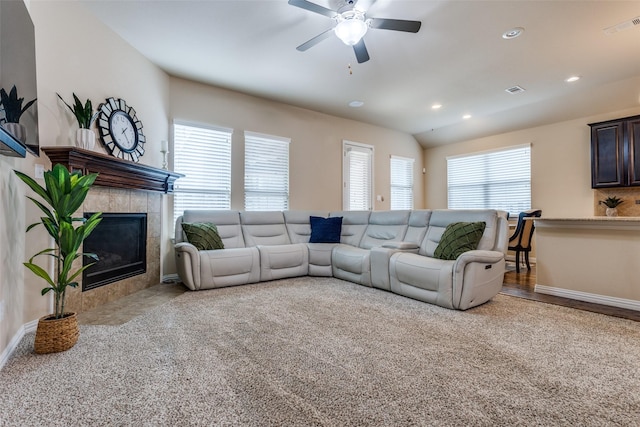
[(325, 230)]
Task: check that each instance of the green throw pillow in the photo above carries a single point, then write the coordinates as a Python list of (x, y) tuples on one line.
[(203, 235), (459, 237)]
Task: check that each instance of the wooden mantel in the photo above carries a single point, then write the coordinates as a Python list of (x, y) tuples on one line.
[(113, 172)]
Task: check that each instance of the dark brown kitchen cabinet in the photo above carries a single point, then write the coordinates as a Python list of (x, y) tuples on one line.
[(615, 153)]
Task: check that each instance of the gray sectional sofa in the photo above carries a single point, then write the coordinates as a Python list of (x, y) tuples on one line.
[(390, 250)]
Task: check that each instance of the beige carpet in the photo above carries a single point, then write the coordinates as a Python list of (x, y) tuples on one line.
[(304, 352)]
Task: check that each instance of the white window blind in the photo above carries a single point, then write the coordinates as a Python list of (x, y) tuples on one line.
[(498, 179), (203, 155), (401, 183), (266, 172), (358, 176)]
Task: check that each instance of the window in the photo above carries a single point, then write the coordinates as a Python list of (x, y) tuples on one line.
[(498, 179), (203, 155), (401, 183), (357, 176), (266, 172)]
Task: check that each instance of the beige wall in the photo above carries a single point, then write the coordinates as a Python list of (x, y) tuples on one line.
[(316, 142), (560, 165), (95, 65)]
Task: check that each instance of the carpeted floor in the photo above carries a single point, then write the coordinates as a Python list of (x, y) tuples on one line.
[(304, 352)]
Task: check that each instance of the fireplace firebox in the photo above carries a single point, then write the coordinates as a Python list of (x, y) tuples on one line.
[(120, 242)]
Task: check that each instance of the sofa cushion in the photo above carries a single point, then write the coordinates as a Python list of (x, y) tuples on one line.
[(354, 224), (264, 228), (459, 237), (203, 235), (227, 223), (385, 226), (298, 225), (325, 230)]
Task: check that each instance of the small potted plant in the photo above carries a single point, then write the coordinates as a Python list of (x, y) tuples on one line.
[(62, 196), (612, 204), (85, 137), (13, 110)]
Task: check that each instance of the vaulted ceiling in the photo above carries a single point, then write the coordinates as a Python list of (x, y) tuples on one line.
[(458, 59)]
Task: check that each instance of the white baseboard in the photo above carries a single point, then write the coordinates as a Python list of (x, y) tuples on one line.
[(589, 297), (24, 329), (512, 258)]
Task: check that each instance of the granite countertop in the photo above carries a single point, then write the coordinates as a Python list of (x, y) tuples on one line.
[(591, 218), (593, 222)]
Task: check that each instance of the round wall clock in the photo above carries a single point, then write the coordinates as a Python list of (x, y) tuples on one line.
[(120, 130)]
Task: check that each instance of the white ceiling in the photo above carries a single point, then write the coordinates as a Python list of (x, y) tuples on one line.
[(458, 59)]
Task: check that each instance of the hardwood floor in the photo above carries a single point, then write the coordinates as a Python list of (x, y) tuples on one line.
[(522, 285), (517, 285)]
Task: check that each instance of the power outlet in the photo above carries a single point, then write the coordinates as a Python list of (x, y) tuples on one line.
[(1, 310), (39, 172), (637, 202)]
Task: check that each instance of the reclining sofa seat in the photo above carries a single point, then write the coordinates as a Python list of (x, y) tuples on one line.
[(380, 256), (279, 258), (362, 231), (472, 279), (235, 265), (299, 228)]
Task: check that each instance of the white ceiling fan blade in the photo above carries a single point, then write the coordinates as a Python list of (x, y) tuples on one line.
[(314, 41)]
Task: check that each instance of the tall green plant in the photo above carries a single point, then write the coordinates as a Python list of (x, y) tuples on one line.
[(12, 105), (84, 114), (63, 195)]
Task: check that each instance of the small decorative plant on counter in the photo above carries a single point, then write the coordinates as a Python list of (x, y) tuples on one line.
[(63, 195), (612, 204), (12, 105), (85, 137), (13, 110)]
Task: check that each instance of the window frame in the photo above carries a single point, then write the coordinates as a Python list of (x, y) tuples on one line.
[(223, 182), (254, 190), (506, 183), (394, 184), (369, 151)]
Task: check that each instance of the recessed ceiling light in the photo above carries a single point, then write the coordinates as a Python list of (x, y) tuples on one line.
[(356, 104), (436, 106), (572, 79), (513, 33), (466, 116)]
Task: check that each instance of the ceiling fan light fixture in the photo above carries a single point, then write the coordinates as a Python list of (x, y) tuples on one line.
[(351, 27)]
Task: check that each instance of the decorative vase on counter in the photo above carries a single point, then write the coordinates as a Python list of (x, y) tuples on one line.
[(17, 130), (611, 212), (85, 138)]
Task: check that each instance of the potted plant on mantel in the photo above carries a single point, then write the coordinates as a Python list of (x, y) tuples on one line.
[(13, 110), (63, 195), (612, 204), (85, 137)]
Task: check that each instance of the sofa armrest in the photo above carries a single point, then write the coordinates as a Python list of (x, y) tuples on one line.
[(403, 246), (477, 277), (489, 257), (188, 264), (380, 257)]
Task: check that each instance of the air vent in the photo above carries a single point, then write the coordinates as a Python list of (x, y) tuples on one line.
[(626, 25), (515, 89)]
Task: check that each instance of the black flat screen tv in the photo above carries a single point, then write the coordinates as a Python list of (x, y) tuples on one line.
[(18, 68)]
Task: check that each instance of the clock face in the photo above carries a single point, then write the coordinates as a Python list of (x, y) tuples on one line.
[(123, 131), (120, 130)]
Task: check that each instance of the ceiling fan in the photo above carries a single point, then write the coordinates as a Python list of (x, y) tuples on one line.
[(351, 25)]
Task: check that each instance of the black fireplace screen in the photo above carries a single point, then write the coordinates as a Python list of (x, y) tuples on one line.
[(120, 241)]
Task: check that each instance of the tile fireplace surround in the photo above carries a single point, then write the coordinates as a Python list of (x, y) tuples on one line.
[(103, 199), (122, 186)]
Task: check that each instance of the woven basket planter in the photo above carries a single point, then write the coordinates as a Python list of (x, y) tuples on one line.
[(54, 335)]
